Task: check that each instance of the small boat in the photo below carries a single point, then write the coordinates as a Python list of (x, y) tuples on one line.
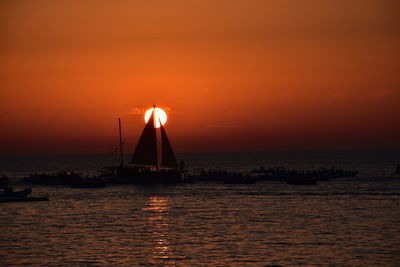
[(9, 192), (9, 195)]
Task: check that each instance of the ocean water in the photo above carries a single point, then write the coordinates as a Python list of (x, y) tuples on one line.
[(343, 222)]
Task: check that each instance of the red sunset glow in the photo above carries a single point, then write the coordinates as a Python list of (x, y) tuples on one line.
[(233, 75)]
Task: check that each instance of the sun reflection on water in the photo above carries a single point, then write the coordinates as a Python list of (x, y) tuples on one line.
[(157, 208)]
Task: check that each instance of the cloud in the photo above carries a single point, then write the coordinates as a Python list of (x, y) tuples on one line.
[(142, 111), (137, 111), (167, 109)]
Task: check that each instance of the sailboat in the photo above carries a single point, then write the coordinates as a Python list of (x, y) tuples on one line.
[(153, 161), (147, 152)]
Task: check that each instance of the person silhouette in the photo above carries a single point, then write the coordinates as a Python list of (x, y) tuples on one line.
[(182, 166)]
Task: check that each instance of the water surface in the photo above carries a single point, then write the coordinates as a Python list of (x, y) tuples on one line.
[(341, 222)]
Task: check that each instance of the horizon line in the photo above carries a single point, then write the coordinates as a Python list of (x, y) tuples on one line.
[(212, 152)]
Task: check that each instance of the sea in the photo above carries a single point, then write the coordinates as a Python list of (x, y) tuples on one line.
[(342, 222)]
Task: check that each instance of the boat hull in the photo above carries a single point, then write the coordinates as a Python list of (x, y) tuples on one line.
[(146, 177), (20, 193)]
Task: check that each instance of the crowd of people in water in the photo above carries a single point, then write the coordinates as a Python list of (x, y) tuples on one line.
[(59, 178), (321, 174), (144, 175)]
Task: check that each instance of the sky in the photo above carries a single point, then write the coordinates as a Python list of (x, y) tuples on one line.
[(233, 75)]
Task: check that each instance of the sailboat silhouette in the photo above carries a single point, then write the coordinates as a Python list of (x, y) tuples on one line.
[(153, 161), (147, 152)]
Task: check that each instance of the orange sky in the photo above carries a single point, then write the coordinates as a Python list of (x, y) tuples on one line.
[(236, 75)]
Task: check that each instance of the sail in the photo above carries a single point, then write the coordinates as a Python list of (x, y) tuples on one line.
[(167, 154), (146, 149)]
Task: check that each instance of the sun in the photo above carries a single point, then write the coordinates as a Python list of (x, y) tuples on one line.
[(159, 115)]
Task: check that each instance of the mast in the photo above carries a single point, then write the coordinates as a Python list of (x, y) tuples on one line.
[(157, 141), (120, 143)]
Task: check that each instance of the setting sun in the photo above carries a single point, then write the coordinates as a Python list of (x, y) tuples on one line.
[(159, 115)]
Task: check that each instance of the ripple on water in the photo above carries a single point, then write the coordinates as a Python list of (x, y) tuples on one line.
[(343, 222)]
